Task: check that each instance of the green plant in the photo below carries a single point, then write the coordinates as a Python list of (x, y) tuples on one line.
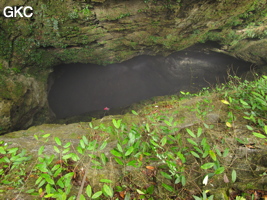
[(55, 177), (155, 145), (12, 165), (204, 196), (251, 97), (240, 198)]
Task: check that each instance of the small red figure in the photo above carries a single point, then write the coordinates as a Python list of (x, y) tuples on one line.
[(106, 108)]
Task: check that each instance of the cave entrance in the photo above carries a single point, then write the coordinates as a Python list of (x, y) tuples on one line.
[(84, 88)]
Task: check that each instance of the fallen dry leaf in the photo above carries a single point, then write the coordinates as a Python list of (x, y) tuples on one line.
[(150, 167)]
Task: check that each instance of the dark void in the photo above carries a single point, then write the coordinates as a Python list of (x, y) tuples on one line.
[(82, 88)]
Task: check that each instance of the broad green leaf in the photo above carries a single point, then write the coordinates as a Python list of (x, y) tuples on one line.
[(80, 150), (133, 163), (92, 145), (140, 191), (212, 155), (116, 123), (116, 153), (2, 150), (48, 188), (207, 165), (46, 135), (89, 190), (240, 141), (82, 144), (199, 132), (233, 176), (40, 151), (181, 156), (67, 156), (226, 152), (163, 141), (6, 159), (178, 179), (68, 175), (97, 194), (48, 179), (104, 144), (42, 167), (191, 133), (108, 190), (183, 180), (58, 141), (30, 191), (59, 170), (166, 175), (198, 150), (243, 102), (119, 161), (36, 137), (50, 195), (55, 167), (197, 198), (56, 149), (65, 150), (38, 180), (103, 158), (85, 140), (150, 189), (127, 196), (218, 152), (192, 141), (257, 94), (82, 197), (259, 135), (219, 170), (75, 157), (155, 144), (167, 122), (147, 127), (41, 183), (60, 183), (194, 154), (206, 125), (119, 148), (135, 113), (105, 181), (129, 151), (95, 162), (168, 187), (15, 149), (20, 159), (67, 145)]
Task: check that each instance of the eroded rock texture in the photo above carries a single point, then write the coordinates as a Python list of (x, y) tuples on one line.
[(105, 32)]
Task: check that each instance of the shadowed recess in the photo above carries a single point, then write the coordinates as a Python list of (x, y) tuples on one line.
[(80, 88)]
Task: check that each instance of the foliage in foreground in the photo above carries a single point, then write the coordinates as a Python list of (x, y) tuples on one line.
[(62, 175)]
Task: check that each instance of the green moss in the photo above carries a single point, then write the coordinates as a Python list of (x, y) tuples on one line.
[(10, 90), (5, 45)]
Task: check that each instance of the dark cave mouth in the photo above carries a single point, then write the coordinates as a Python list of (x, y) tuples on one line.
[(86, 89)]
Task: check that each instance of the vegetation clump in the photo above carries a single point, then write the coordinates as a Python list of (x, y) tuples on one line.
[(162, 155)]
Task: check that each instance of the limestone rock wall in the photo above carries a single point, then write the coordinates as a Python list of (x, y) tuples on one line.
[(111, 31)]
